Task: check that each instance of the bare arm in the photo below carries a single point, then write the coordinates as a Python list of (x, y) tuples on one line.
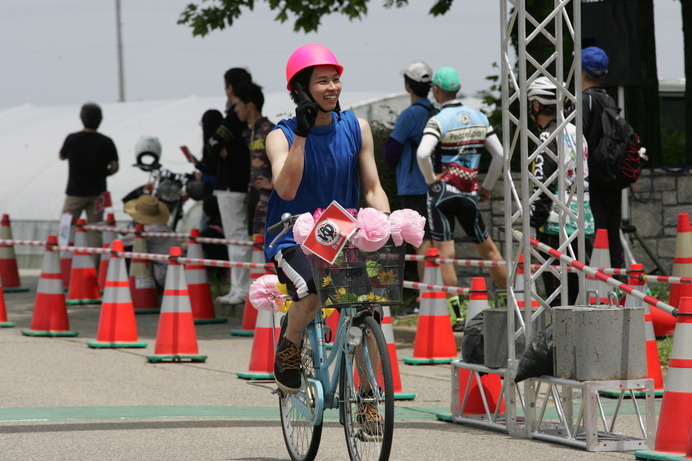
[(373, 193), (287, 164), (113, 167)]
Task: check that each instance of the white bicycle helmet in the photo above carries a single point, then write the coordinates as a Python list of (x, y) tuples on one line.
[(148, 152), (543, 91)]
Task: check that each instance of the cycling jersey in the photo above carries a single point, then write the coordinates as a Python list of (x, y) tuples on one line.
[(462, 133), (544, 215)]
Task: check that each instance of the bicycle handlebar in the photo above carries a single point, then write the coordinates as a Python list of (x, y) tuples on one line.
[(286, 223)]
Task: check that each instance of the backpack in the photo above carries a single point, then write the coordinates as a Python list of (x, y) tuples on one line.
[(414, 145), (617, 159)]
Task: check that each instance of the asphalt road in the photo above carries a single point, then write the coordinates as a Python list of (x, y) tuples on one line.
[(61, 400)]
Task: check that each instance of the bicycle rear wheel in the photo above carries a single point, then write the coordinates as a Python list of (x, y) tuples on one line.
[(367, 395), (299, 412)]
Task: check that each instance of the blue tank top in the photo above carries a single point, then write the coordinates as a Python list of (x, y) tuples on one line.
[(330, 173)]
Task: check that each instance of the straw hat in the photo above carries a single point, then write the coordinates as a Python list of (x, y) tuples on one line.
[(147, 209)]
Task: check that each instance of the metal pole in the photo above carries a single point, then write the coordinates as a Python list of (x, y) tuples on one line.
[(121, 73)]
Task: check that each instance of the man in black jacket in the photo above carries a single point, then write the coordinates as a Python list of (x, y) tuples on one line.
[(606, 202), (230, 147)]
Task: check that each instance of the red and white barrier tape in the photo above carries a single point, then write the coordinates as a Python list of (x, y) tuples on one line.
[(431, 287), (601, 276), (179, 235)]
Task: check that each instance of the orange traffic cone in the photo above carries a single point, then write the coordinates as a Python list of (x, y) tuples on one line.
[(249, 312), (664, 323), (473, 394), (675, 416), (434, 341), (176, 338), (142, 284), (84, 287), (107, 239), (50, 311), (388, 331), (519, 292), (263, 346), (117, 325), (596, 290), (198, 285), (9, 273), (478, 298), (3, 312)]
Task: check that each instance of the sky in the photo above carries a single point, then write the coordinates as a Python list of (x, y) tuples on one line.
[(63, 52)]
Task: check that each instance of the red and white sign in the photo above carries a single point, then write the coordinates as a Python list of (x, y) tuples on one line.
[(102, 202), (331, 232)]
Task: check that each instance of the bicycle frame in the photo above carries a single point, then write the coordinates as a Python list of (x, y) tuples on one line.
[(325, 385)]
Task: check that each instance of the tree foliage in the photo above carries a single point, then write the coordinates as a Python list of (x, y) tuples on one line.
[(204, 16)]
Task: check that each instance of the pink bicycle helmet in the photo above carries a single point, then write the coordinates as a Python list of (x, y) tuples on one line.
[(308, 56)]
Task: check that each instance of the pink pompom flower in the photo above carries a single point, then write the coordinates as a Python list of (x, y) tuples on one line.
[(407, 226), (373, 230), (302, 228), (263, 292)]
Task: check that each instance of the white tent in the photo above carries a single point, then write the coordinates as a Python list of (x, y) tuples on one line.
[(33, 179)]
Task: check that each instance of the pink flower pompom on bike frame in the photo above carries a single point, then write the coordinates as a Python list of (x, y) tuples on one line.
[(373, 230), (407, 225), (302, 228), (263, 291)]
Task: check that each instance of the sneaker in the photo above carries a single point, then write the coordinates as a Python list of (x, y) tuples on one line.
[(231, 299), (458, 325), (370, 419), (287, 366)]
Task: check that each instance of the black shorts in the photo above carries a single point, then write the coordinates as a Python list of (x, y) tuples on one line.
[(445, 203), (417, 203), (293, 269)]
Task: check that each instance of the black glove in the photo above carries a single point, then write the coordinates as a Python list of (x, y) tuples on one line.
[(306, 114)]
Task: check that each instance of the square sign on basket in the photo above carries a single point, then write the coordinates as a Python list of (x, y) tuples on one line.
[(331, 232)]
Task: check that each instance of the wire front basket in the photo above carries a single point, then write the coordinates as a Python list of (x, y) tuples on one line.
[(360, 277)]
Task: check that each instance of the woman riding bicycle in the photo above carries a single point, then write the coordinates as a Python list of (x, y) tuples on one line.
[(320, 155)]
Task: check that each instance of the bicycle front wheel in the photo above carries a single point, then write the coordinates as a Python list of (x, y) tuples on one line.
[(299, 412), (367, 395)]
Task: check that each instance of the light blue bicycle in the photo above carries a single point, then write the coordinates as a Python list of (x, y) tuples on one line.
[(355, 375)]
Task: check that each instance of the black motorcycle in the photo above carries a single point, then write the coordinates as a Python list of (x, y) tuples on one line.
[(173, 189)]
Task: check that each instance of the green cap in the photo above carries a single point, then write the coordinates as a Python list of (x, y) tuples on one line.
[(447, 78)]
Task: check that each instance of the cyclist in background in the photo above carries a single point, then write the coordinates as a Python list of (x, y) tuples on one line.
[(448, 155), (320, 155)]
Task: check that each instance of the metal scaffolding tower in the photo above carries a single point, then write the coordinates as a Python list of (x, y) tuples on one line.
[(544, 49)]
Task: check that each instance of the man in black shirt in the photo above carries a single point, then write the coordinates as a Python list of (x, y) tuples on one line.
[(92, 157)]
